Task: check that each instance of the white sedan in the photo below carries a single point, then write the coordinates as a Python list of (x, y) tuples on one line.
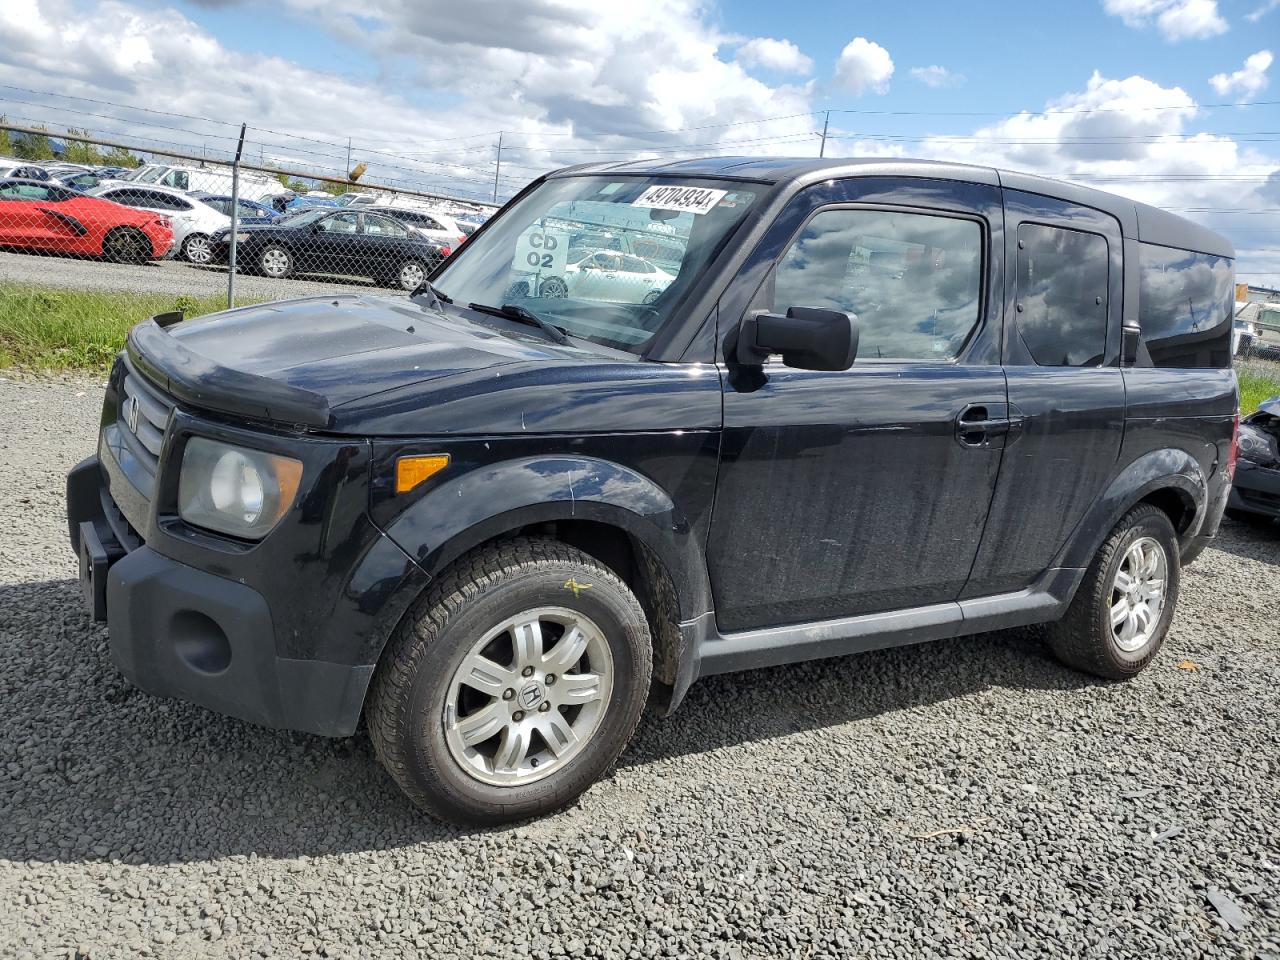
[(194, 221), (609, 276)]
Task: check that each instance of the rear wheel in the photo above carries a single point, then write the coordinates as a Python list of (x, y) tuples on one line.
[(411, 274), (126, 245), (513, 684), (275, 261), (1122, 611), (554, 287), (198, 249)]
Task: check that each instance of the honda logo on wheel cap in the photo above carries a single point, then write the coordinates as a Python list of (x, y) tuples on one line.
[(531, 695)]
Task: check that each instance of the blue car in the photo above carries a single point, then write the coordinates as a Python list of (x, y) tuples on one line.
[(250, 211)]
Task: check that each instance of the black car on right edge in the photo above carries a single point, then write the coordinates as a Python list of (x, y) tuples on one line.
[(1255, 497), (878, 403)]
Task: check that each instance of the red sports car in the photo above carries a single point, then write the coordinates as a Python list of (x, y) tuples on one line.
[(46, 217)]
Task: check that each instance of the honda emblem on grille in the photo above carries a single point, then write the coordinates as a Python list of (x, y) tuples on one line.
[(132, 416)]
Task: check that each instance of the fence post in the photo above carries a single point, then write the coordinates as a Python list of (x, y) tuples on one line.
[(235, 222)]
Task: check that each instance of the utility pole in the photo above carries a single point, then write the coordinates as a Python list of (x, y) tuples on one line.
[(822, 150), (497, 169), (348, 158), (235, 221)]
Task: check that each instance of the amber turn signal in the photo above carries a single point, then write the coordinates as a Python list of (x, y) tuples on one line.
[(411, 471)]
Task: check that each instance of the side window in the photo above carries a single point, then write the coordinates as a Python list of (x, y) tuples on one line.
[(340, 223), (222, 206), (1185, 306), (377, 226), (243, 210), (24, 191), (177, 178), (1062, 295), (914, 280)]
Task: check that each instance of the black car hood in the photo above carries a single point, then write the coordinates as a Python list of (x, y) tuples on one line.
[(348, 347)]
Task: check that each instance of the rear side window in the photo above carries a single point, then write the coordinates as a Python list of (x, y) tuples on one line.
[(1185, 303), (914, 280), (1062, 295)]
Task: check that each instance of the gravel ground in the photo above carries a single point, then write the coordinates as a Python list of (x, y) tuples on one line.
[(164, 276), (962, 799)]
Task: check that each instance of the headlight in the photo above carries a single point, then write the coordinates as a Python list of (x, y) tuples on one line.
[(235, 491), (242, 237)]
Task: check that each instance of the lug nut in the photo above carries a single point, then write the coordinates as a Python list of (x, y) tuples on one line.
[(508, 694), (546, 705), (518, 716), (551, 678), (527, 672)]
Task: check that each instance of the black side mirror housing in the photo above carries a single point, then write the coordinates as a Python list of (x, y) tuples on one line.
[(809, 338), (1130, 338)]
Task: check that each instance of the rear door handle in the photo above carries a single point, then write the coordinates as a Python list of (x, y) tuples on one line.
[(979, 423)]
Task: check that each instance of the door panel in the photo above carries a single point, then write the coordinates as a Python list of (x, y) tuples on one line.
[(842, 493), (1072, 416)]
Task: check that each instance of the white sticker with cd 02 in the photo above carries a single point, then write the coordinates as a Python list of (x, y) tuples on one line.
[(685, 199)]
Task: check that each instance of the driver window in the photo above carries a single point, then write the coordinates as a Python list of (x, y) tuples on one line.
[(913, 280)]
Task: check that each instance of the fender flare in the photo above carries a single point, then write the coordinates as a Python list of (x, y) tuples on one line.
[(1164, 469), (472, 508)]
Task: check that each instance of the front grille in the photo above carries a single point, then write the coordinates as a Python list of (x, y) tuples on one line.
[(144, 415)]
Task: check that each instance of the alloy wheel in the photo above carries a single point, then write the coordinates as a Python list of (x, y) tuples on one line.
[(528, 696), (198, 249), (1138, 594)]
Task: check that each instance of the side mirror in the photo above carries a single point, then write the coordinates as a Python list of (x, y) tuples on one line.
[(809, 338), (1130, 338)]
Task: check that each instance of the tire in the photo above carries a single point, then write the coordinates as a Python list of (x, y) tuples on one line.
[(197, 249), (1085, 638), (410, 275), (126, 245), (420, 677), (651, 296), (275, 261), (553, 288)]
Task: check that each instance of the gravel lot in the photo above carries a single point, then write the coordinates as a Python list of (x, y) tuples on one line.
[(963, 799), (163, 276)]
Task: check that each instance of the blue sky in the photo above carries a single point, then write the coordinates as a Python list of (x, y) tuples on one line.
[(421, 87)]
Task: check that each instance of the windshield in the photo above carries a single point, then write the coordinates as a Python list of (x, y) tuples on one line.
[(607, 259), (150, 175)]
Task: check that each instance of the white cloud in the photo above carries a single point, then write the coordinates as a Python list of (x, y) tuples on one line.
[(936, 76), (780, 55), (1175, 19), (1254, 16), (1248, 81), (864, 65)]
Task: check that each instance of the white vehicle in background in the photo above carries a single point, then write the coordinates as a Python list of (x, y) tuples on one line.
[(613, 277), (194, 221), (436, 227), (216, 180)]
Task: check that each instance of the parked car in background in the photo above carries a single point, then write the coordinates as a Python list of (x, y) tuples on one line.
[(603, 275), (305, 201), (23, 170), (356, 198), (1244, 333), (469, 223), (38, 215), (253, 185), (883, 402), (81, 180), (250, 211), (341, 242), (1255, 494), (194, 221), (438, 227)]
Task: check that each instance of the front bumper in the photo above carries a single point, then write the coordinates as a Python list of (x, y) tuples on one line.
[(291, 649), (1256, 490)]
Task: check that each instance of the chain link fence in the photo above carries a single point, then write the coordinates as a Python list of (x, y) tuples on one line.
[(87, 249)]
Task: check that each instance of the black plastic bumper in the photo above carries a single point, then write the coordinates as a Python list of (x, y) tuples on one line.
[(1256, 490), (181, 632)]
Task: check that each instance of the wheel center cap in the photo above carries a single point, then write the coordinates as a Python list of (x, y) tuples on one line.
[(531, 695)]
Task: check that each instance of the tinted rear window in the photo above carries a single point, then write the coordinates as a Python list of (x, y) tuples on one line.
[(1185, 307)]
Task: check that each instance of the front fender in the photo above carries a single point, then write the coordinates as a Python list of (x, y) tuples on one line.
[(1168, 468), (469, 508)]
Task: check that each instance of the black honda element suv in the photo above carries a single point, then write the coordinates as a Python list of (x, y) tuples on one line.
[(845, 405)]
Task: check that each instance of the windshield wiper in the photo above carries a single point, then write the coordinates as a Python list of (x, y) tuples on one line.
[(433, 297), (514, 311)]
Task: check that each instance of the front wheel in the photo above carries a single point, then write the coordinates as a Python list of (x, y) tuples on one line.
[(512, 685), (1122, 610), (411, 275), (275, 261)]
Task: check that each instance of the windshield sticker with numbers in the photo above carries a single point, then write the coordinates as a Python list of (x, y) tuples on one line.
[(685, 199)]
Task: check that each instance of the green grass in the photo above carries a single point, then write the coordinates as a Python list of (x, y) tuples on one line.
[(1255, 387), (44, 328)]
